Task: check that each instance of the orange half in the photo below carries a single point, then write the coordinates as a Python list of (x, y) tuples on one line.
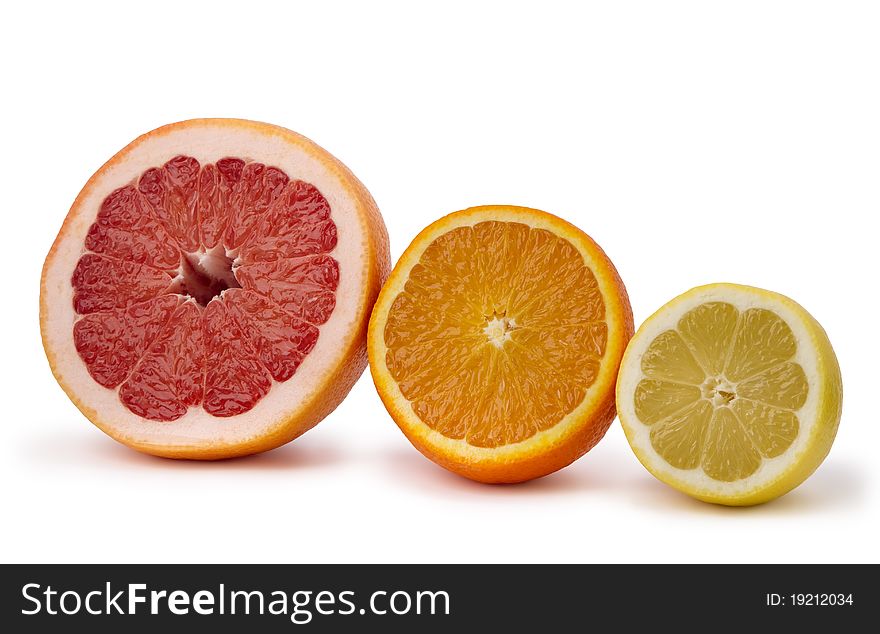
[(496, 342)]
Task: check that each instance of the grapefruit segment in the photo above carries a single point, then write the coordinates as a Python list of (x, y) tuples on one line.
[(112, 343), (280, 340), (172, 192), (251, 196), (169, 377), (216, 182), (127, 229), (101, 283), (303, 287), (235, 378), (201, 277), (297, 224)]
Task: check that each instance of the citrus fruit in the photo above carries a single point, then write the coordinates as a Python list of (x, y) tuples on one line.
[(731, 394), (496, 341), (209, 291)]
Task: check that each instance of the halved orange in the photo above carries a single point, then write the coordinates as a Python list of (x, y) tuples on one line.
[(209, 291), (495, 343)]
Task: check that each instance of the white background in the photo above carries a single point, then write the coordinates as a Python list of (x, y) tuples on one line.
[(696, 142)]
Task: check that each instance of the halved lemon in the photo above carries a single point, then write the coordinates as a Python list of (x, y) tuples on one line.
[(496, 341), (731, 394)]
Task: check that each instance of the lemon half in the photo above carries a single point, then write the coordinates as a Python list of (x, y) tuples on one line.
[(731, 394)]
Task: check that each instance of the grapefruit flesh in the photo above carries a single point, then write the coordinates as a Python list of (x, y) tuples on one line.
[(187, 324), (208, 304)]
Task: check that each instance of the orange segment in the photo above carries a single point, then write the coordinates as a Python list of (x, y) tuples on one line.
[(495, 342)]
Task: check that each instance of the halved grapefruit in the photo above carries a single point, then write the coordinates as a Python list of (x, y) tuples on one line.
[(209, 291)]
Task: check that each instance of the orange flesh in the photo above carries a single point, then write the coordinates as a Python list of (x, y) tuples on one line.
[(498, 333)]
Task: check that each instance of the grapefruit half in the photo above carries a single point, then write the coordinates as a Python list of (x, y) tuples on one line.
[(209, 291)]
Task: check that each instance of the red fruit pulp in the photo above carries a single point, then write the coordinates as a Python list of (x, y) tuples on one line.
[(203, 284)]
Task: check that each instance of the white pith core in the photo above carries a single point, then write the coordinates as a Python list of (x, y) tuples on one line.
[(498, 329), (204, 275), (718, 391)]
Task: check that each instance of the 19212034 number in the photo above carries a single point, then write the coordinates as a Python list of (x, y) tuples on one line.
[(822, 599), (808, 599)]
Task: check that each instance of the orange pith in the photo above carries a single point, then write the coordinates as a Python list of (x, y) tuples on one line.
[(495, 343)]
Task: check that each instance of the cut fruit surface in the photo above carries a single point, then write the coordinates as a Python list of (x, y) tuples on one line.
[(209, 291), (496, 341), (731, 394)]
